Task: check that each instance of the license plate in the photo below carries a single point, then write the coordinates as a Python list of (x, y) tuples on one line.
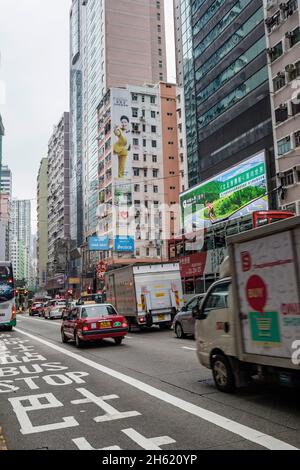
[(105, 324), (161, 317), (94, 326)]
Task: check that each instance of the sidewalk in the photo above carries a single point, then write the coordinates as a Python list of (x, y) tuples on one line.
[(2, 441)]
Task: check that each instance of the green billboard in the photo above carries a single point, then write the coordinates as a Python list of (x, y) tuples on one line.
[(234, 193)]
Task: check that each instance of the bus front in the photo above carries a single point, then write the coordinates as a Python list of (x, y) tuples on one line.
[(7, 297)]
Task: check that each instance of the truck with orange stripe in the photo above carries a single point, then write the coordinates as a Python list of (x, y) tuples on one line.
[(146, 295)]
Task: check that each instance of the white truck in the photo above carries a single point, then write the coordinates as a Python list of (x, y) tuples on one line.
[(146, 295), (249, 321)]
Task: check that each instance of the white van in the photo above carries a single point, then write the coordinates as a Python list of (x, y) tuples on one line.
[(249, 321)]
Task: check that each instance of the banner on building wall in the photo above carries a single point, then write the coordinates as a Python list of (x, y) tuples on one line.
[(121, 164), (234, 193)]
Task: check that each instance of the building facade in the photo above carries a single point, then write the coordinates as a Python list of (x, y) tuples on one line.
[(225, 76), (42, 223), (20, 239), (139, 172), (282, 23), (113, 43), (1, 136), (58, 194)]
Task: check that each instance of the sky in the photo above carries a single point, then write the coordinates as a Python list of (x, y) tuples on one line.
[(34, 82)]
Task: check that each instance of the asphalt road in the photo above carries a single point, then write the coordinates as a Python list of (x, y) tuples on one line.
[(149, 393)]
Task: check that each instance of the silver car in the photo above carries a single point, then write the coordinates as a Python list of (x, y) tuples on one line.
[(184, 322), (55, 310)]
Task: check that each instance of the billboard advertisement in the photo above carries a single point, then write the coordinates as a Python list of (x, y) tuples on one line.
[(234, 193), (122, 145), (98, 243), (122, 168), (124, 243)]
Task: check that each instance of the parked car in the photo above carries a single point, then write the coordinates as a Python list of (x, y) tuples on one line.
[(55, 309), (184, 321), (93, 322), (36, 309)]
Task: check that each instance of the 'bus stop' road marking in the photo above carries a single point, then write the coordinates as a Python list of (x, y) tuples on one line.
[(250, 434)]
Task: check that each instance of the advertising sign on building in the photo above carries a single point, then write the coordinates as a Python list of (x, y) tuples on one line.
[(98, 243), (122, 168), (236, 192), (268, 295)]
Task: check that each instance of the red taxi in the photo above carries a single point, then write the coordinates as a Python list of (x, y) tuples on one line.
[(37, 308), (93, 322)]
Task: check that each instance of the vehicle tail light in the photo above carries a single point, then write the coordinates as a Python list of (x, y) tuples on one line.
[(85, 328), (124, 325), (142, 320), (13, 312)]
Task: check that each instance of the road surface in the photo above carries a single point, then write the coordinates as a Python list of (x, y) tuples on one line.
[(149, 393)]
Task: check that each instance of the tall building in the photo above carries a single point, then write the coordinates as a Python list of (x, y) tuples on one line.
[(58, 191), (282, 22), (42, 223), (1, 135), (113, 43), (20, 238), (6, 180), (139, 172), (222, 62)]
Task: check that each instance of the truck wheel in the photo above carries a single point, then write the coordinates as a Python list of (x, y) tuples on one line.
[(222, 374), (179, 331)]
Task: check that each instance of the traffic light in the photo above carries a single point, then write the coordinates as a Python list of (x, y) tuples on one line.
[(89, 290)]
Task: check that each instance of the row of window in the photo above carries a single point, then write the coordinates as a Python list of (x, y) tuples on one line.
[(286, 10), (234, 68), (288, 143), (290, 177), (286, 110), (221, 26), (135, 96), (136, 128), (230, 44), (135, 142), (292, 71), (278, 50), (234, 97), (206, 17)]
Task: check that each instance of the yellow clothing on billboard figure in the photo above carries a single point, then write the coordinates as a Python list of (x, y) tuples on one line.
[(121, 147)]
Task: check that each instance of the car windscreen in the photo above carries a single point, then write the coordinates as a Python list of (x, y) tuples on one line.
[(98, 311), (37, 305)]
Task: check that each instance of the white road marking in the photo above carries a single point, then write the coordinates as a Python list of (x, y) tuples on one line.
[(189, 349), (250, 434), (83, 444), (148, 444)]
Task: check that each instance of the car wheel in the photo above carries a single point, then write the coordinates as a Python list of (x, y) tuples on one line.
[(78, 341), (179, 331), (118, 340), (9, 328), (222, 374), (64, 339)]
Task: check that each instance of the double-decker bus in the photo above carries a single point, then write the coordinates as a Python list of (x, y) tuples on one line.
[(200, 254), (7, 296)]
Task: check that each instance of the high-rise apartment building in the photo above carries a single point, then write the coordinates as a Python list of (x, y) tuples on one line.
[(58, 191), (6, 180), (222, 63), (139, 171), (42, 223), (113, 43), (20, 238), (282, 22), (1, 135)]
